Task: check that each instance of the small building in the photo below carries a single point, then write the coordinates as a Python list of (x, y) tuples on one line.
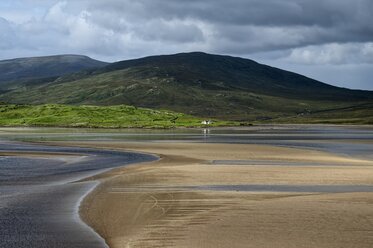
[(206, 122)]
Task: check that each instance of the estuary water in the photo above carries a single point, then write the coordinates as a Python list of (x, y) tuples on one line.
[(348, 140), (40, 195)]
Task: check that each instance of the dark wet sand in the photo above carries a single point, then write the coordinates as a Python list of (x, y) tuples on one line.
[(39, 198)]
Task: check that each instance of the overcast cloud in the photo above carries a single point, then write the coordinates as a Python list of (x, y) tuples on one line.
[(330, 40)]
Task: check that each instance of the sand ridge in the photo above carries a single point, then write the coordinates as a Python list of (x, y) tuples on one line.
[(150, 205)]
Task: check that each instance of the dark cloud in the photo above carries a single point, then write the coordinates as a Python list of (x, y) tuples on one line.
[(290, 32), (244, 26), (240, 12)]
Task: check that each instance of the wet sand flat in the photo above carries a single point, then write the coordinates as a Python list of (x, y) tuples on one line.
[(168, 203), (40, 193)]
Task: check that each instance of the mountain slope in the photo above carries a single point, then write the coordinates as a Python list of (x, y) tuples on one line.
[(216, 71), (14, 71), (195, 83)]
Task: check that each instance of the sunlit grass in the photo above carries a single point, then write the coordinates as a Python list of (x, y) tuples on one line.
[(120, 116)]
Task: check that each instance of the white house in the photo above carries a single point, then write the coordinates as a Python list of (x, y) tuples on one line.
[(206, 122)]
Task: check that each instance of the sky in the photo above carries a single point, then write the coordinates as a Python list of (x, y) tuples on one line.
[(329, 40)]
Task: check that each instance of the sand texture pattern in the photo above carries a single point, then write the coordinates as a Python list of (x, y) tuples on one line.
[(166, 203)]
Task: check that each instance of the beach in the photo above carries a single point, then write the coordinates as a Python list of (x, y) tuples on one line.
[(272, 186), (176, 201)]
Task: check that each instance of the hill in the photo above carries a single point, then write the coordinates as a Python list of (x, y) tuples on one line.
[(39, 69), (199, 84), (226, 72), (121, 116)]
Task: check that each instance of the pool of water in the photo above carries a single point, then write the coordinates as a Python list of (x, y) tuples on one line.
[(349, 140), (39, 197)]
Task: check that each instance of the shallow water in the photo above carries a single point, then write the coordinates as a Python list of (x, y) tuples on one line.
[(39, 198), (347, 140)]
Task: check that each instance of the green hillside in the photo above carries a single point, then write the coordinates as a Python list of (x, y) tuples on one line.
[(122, 116), (198, 84), (357, 114)]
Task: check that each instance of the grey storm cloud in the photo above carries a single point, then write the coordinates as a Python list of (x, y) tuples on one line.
[(237, 27), (242, 12), (285, 32), (318, 21), (240, 26)]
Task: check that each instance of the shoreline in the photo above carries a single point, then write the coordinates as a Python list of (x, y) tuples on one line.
[(96, 182), (78, 217), (228, 127), (87, 179), (143, 185), (57, 199), (65, 156)]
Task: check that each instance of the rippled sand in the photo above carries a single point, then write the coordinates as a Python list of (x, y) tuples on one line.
[(158, 204)]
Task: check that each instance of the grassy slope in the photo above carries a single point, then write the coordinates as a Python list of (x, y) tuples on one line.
[(127, 87), (121, 116), (358, 114)]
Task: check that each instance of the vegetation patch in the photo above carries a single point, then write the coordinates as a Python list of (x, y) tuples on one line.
[(120, 116)]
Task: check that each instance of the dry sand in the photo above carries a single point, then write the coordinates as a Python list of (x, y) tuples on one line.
[(149, 205)]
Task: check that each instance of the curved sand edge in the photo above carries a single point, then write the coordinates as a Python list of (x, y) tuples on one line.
[(144, 206), (72, 210)]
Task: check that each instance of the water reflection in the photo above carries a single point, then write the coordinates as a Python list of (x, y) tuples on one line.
[(348, 140)]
